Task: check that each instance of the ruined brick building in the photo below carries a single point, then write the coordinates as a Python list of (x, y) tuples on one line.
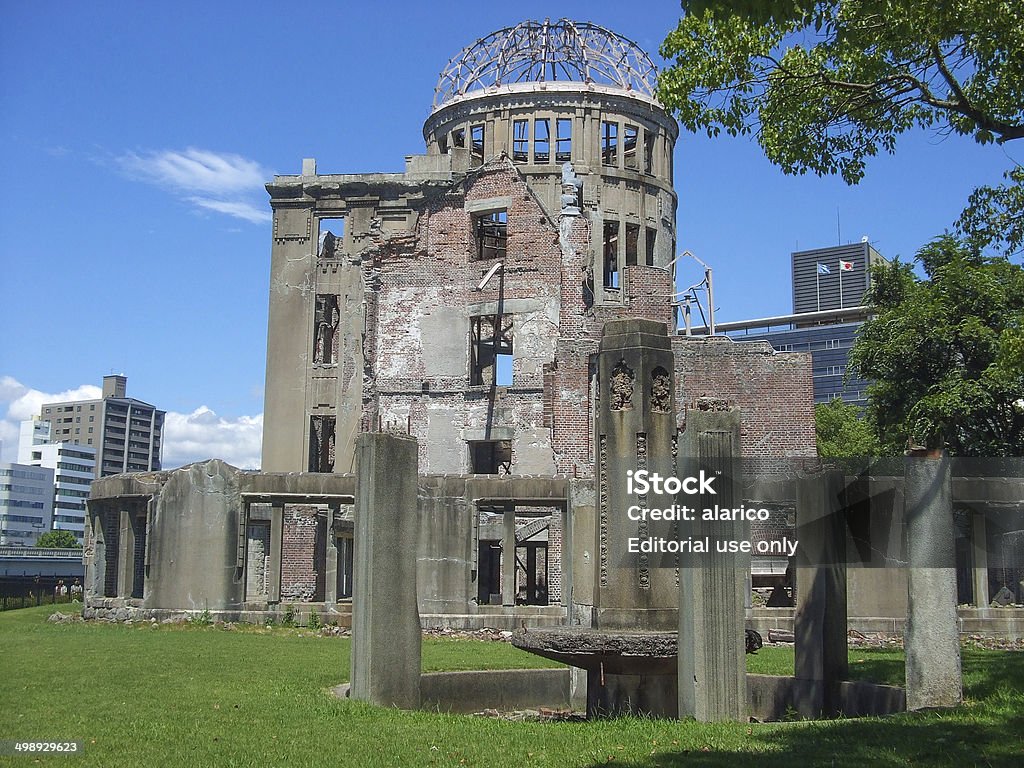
[(463, 302)]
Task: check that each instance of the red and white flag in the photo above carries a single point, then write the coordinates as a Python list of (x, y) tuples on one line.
[(845, 266)]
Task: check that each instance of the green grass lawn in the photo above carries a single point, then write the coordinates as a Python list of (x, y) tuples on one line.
[(205, 696)]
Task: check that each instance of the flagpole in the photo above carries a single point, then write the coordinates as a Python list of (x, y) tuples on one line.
[(817, 287), (841, 270)]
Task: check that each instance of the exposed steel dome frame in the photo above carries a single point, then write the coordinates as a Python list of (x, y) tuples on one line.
[(542, 52)]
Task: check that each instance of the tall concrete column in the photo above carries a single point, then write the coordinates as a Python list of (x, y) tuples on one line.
[(932, 641), (331, 565), (820, 616), (979, 566), (712, 652), (276, 535), (636, 427), (508, 557), (126, 548), (386, 640)]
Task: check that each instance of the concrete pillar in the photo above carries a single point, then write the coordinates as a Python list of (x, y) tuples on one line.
[(125, 550), (636, 426), (276, 531), (331, 564), (820, 615), (979, 565), (508, 557), (386, 640), (932, 641), (712, 653), (566, 564)]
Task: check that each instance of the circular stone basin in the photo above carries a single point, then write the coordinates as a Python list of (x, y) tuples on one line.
[(617, 652)]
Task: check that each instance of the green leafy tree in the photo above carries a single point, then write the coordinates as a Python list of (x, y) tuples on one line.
[(60, 539), (826, 85), (842, 431), (946, 354)]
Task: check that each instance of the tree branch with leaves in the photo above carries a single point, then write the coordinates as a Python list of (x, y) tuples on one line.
[(825, 86)]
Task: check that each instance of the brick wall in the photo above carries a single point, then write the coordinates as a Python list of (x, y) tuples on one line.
[(773, 390), (303, 553)]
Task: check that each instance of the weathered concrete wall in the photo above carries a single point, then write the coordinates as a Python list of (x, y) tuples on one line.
[(474, 691), (289, 340), (444, 557), (192, 535)]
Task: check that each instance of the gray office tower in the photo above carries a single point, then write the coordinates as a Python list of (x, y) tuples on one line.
[(828, 292)]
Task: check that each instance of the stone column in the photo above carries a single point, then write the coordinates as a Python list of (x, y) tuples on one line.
[(636, 427), (508, 557), (979, 566), (385, 620), (125, 550), (331, 565), (820, 615), (276, 532), (932, 641), (712, 651)]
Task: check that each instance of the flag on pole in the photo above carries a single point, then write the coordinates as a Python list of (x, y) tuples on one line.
[(844, 266), (824, 270)]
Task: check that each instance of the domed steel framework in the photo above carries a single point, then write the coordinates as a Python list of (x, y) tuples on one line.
[(544, 51)]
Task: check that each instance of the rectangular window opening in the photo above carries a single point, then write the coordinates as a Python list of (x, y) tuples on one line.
[(491, 235), (632, 243), (459, 138), (541, 141), (476, 145), (490, 457), (652, 240), (490, 349), (331, 238), (321, 443), (520, 141), (326, 317), (649, 137), (630, 136), (611, 254), (442, 145), (610, 143), (563, 141)]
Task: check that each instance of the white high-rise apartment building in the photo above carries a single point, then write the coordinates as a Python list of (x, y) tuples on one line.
[(73, 467)]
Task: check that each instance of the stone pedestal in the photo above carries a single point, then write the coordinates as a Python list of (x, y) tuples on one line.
[(385, 621), (712, 663), (932, 640)]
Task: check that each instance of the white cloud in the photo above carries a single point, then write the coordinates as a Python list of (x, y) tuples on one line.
[(195, 170), (234, 208), (223, 180), (23, 403), (188, 437), (203, 434)]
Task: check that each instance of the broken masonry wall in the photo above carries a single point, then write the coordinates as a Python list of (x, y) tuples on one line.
[(303, 553), (773, 390), (425, 301)]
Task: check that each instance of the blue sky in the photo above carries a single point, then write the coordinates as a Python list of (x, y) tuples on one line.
[(135, 139)]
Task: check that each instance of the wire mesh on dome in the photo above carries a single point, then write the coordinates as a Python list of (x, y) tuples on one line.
[(544, 52)]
